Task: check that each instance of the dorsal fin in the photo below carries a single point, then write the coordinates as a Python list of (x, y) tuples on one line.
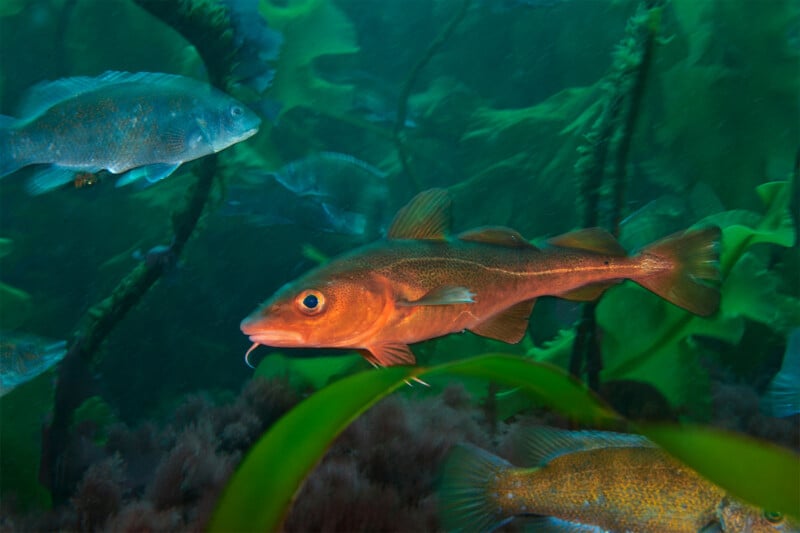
[(509, 325), (591, 239), (543, 444), (46, 94), (498, 235), (426, 217)]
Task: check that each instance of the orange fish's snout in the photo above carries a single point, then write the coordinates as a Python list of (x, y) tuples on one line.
[(317, 313), (262, 326)]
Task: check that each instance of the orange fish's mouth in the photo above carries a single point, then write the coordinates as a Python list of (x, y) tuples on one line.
[(277, 337), (270, 336)]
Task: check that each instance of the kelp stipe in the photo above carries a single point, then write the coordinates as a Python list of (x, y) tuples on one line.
[(192, 19), (604, 159)]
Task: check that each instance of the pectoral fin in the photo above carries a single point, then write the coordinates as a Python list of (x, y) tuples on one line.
[(447, 295), (508, 326), (389, 355)]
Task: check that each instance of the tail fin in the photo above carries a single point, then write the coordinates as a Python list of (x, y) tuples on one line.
[(465, 501), (782, 397), (8, 162), (694, 257)]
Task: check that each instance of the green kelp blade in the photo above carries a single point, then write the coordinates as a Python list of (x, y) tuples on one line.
[(262, 489), (755, 471)]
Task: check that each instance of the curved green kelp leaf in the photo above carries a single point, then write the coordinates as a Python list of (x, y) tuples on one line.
[(667, 357), (260, 492), (758, 472), (310, 28)]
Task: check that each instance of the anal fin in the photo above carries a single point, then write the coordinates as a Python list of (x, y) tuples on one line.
[(151, 173), (49, 178), (509, 325), (587, 293)]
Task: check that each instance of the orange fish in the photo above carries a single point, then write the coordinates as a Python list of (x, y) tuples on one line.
[(419, 284), (592, 481)]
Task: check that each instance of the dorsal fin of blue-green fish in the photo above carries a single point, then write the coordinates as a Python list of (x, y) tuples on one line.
[(543, 444), (426, 217), (46, 94), (595, 240)]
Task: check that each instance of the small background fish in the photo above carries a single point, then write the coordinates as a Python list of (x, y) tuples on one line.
[(24, 356), (324, 191), (142, 125)]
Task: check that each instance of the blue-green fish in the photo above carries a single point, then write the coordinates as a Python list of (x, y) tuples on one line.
[(24, 356), (141, 124)]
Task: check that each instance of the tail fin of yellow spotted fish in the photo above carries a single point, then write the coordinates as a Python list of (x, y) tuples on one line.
[(465, 502)]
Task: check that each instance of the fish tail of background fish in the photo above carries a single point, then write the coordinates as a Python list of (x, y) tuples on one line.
[(692, 260), (465, 501), (10, 160)]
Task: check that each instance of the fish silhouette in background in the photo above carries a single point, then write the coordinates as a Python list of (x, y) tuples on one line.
[(257, 45), (782, 397), (24, 356), (324, 191), (419, 284), (141, 125), (590, 481), (256, 49)]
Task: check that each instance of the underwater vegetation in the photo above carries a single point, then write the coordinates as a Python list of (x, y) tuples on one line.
[(632, 120)]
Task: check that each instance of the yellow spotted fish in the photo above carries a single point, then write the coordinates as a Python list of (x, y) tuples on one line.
[(592, 481)]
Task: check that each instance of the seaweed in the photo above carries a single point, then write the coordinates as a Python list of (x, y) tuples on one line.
[(288, 456), (602, 166), (332, 409), (194, 20), (402, 103), (670, 356), (311, 29)]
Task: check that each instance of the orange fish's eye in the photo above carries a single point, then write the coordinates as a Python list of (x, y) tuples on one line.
[(310, 301)]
